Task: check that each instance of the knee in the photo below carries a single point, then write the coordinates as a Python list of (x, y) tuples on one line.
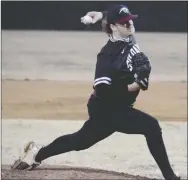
[(153, 129), (155, 125), (80, 141), (82, 145)]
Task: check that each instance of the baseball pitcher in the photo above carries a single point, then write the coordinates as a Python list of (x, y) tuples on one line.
[(122, 71)]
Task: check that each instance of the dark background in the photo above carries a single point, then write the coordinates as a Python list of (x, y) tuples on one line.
[(65, 15)]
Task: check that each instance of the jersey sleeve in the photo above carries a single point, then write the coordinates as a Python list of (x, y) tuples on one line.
[(102, 73)]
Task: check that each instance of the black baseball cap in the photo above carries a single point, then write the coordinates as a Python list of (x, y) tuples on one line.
[(119, 14)]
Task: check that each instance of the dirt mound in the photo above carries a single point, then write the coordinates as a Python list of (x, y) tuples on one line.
[(65, 172)]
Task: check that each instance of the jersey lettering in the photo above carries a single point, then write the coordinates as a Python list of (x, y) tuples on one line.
[(134, 50)]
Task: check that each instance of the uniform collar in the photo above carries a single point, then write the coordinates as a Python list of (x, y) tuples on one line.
[(115, 39)]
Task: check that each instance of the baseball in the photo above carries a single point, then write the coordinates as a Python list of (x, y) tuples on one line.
[(86, 20)]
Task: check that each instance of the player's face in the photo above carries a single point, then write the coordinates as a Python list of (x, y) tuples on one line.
[(126, 29)]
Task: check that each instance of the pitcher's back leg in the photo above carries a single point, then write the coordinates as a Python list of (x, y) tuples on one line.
[(133, 121)]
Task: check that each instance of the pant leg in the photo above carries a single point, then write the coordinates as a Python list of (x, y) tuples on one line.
[(92, 132), (133, 121)]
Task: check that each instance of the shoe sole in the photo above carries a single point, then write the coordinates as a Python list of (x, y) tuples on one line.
[(20, 164)]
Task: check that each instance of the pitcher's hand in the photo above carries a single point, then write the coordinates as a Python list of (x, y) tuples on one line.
[(94, 16), (133, 87)]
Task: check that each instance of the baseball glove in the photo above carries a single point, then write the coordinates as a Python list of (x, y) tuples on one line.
[(142, 68)]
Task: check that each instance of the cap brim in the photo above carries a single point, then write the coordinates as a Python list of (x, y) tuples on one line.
[(127, 18)]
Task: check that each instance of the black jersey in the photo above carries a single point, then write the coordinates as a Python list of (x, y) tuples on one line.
[(117, 67)]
